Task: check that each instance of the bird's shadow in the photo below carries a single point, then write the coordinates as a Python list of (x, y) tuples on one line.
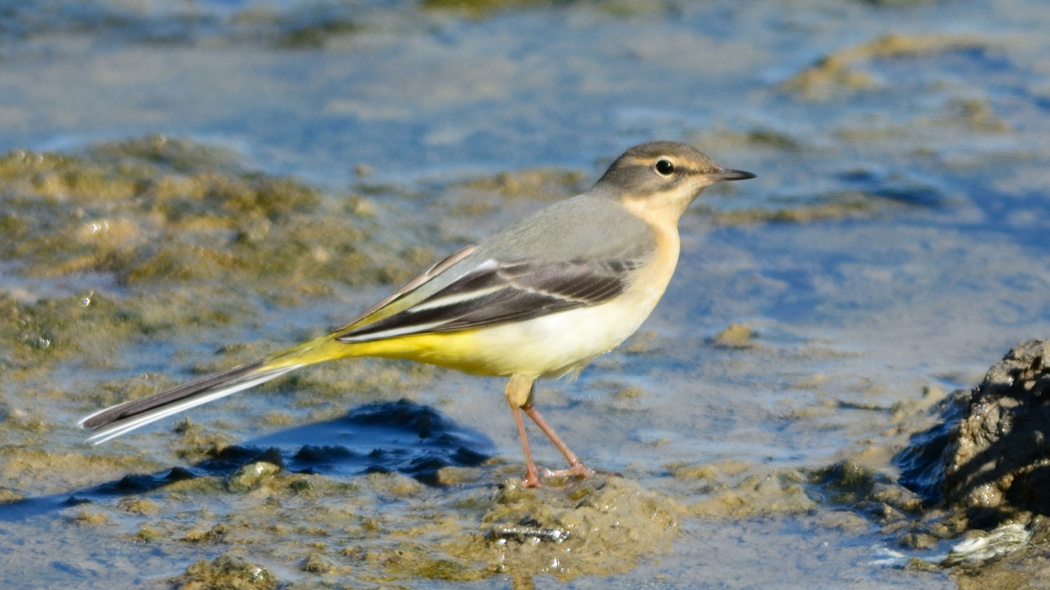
[(404, 437)]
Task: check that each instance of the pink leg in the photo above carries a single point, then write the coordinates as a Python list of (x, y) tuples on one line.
[(520, 389), (576, 467)]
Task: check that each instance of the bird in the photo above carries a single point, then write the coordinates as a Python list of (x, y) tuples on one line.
[(541, 298)]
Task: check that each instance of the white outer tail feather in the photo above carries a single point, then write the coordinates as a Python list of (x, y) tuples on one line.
[(126, 425)]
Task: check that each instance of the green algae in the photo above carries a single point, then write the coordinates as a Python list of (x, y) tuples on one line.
[(140, 506), (837, 205), (477, 8), (841, 205), (252, 476), (90, 325), (971, 114), (547, 184), (854, 481), (9, 497), (316, 564), (976, 114), (739, 490), (28, 470), (148, 535), (315, 35), (196, 487), (172, 153), (485, 8), (899, 512), (227, 572), (735, 336), (842, 72), (849, 481), (487, 194), (196, 443), (90, 518), (162, 210), (895, 3)]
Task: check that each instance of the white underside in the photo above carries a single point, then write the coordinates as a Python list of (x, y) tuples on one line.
[(559, 343)]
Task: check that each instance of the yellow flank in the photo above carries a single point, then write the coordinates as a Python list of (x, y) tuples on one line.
[(455, 350)]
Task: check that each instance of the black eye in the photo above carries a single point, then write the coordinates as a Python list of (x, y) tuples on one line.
[(665, 167)]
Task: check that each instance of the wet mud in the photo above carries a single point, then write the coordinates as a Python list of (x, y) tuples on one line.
[(186, 187)]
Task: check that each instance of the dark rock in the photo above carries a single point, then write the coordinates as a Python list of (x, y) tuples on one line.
[(990, 457)]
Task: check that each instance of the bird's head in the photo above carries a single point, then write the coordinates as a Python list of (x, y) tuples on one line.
[(663, 177)]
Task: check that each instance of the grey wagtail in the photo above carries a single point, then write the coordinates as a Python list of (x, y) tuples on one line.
[(541, 298)]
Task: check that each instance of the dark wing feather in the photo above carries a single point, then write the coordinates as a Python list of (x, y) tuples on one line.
[(409, 287), (495, 293)]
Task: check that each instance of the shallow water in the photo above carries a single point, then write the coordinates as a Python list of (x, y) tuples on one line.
[(894, 243)]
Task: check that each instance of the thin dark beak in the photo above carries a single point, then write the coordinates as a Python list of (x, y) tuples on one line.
[(726, 174)]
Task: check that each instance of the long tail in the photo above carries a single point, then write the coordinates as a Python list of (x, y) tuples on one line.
[(123, 418)]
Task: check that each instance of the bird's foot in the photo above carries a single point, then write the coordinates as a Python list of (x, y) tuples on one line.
[(533, 479), (576, 470)]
